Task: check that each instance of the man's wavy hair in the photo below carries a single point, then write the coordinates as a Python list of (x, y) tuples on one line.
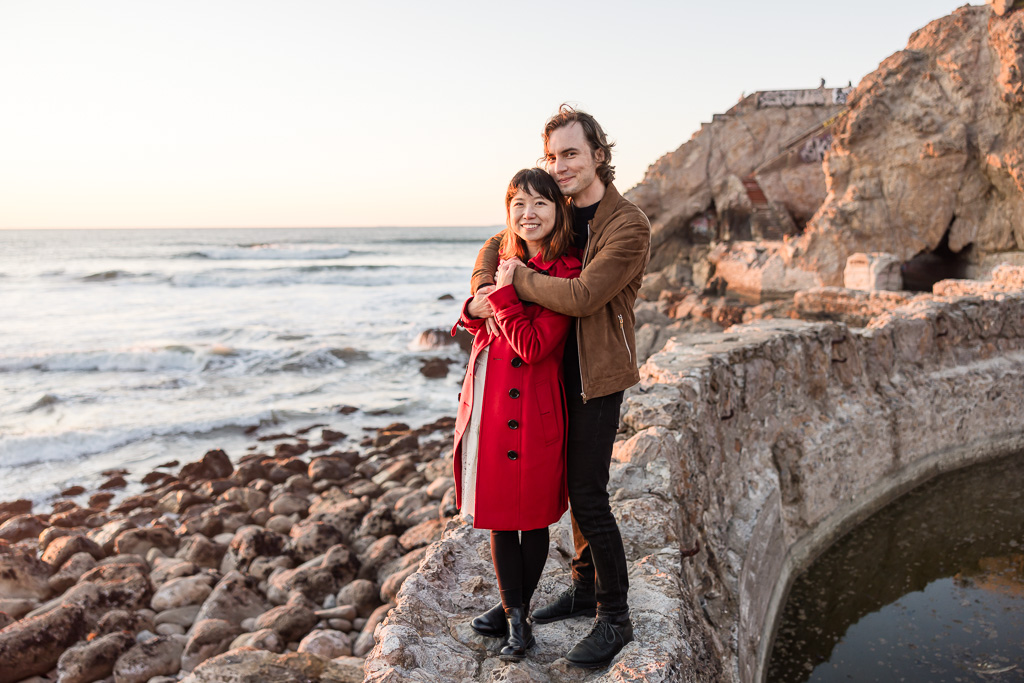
[(596, 138), (536, 181)]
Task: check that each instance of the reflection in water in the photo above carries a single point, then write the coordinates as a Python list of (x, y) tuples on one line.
[(930, 589)]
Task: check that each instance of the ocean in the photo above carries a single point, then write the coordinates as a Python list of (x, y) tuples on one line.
[(131, 348)]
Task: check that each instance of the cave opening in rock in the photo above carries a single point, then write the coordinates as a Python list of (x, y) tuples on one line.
[(941, 263)]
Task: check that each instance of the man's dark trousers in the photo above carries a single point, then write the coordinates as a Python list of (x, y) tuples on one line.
[(600, 561)]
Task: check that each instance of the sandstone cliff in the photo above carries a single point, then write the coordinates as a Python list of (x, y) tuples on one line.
[(696, 194), (932, 145)]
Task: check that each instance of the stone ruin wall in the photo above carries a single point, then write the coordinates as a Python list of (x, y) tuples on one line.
[(760, 445)]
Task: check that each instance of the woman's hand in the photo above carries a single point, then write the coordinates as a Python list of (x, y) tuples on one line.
[(506, 270), (479, 306)]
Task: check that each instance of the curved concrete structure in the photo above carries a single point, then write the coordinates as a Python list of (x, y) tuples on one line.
[(761, 446)]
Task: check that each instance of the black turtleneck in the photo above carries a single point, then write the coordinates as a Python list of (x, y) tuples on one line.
[(580, 218)]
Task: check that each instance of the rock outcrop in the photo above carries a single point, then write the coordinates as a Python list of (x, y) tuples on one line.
[(932, 149), (696, 194)]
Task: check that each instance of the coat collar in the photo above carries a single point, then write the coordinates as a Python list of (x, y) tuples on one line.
[(538, 262), (606, 207)]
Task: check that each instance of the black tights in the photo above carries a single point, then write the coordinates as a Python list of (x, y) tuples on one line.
[(518, 564)]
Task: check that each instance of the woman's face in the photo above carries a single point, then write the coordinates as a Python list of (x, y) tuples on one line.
[(532, 217)]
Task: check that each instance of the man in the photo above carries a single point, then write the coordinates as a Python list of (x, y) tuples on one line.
[(600, 363)]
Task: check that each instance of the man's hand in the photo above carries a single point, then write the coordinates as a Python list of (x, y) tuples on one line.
[(479, 306), (506, 270)]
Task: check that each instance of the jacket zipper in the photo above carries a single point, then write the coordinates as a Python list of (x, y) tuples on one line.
[(623, 328), (579, 338)]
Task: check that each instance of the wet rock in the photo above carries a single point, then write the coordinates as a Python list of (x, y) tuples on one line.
[(265, 639), (344, 514), (61, 550), (364, 643), (315, 579), (187, 590), (214, 465), (20, 527), (71, 571), (179, 501), (377, 555), (139, 541), (16, 608), (328, 468), (22, 575), (124, 620), (391, 585), (346, 612), (327, 644), (435, 368), (33, 646), (379, 522), (182, 616), (439, 486), (15, 507), (114, 482), (409, 503), (246, 666), (93, 660), (249, 543), (248, 498), (52, 533), (292, 621), (105, 535), (289, 504), (159, 656), (422, 534), (280, 524), (209, 638), (167, 568), (310, 539), (362, 596), (202, 552), (73, 491), (233, 599)]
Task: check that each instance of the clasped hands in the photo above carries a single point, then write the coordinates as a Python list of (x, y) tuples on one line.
[(480, 307)]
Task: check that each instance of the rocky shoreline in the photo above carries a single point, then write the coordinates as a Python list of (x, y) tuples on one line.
[(279, 567)]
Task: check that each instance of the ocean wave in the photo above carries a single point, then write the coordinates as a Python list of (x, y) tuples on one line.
[(217, 359), (356, 276), (19, 451), (134, 360), (107, 276), (272, 252)]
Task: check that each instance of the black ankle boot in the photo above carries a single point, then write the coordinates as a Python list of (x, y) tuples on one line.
[(606, 639), (491, 623), (520, 635)]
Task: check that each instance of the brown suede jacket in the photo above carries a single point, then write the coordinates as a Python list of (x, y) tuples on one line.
[(601, 298)]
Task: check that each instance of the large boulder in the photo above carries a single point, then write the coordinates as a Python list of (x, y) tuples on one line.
[(930, 151), (256, 666), (93, 660), (33, 646), (22, 575)]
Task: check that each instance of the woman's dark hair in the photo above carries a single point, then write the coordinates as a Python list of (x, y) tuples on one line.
[(537, 182), (568, 115)]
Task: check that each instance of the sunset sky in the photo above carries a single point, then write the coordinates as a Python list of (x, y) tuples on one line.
[(249, 113)]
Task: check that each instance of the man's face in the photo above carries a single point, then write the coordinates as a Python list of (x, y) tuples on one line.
[(570, 160)]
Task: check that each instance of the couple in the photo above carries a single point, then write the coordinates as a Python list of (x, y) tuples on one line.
[(557, 312)]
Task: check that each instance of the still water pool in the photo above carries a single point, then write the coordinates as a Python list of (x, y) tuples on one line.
[(928, 590)]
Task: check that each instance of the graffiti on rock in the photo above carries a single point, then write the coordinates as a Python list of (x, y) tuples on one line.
[(814, 149), (818, 97)]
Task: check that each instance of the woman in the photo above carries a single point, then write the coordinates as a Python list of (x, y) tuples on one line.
[(509, 433)]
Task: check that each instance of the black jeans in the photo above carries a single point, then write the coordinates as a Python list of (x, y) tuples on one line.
[(600, 561)]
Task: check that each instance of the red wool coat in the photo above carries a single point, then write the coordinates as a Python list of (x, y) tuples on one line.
[(521, 455)]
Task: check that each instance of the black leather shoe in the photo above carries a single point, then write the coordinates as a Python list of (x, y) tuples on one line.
[(600, 646), (520, 635), (573, 602), (491, 623)]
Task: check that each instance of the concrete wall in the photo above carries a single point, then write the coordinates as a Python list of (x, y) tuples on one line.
[(760, 446), (793, 432)]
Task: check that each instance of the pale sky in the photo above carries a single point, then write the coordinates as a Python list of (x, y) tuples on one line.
[(306, 113)]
